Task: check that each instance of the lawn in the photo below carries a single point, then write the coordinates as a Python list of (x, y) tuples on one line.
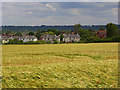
[(60, 65)]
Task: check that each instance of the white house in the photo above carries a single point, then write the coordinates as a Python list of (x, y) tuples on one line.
[(49, 37), (71, 38), (5, 39), (28, 38)]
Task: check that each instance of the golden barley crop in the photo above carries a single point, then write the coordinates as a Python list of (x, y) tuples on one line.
[(60, 65)]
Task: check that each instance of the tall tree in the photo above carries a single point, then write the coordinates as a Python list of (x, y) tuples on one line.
[(38, 34), (112, 30), (101, 28), (85, 34), (61, 37), (77, 27), (8, 32), (31, 33), (18, 34)]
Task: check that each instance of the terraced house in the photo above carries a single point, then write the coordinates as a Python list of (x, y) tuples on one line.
[(51, 38), (45, 37), (5, 39), (71, 37)]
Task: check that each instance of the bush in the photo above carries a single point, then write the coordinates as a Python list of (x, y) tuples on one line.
[(102, 40), (55, 42), (11, 41), (29, 42), (49, 42), (21, 42), (116, 39), (40, 42)]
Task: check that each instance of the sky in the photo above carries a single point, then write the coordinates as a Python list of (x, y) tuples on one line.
[(60, 0), (59, 13)]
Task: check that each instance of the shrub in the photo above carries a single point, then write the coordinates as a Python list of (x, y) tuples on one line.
[(49, 42), (116, 38), (40, 42), (55, 42)]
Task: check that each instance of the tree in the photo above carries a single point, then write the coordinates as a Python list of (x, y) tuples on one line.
[(61, 37), (11, 41), (8, 32), (101, 28), (38, 34), (31, 33), (51, 33), (54, 30), (21, 41), (85, 34), (77, 27), (90, 30), (55, 42), (18, 34), (16, 41), (112, 30)]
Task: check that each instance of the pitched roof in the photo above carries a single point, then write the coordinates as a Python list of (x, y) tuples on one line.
[(72, 35), (28, 37)]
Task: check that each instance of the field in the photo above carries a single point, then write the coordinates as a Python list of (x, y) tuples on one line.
[(60, 65)]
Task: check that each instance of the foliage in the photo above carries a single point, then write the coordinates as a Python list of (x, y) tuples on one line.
[(116, 38), (54, 31), (85, 34), (18, 34), (38, 34), (35, 42), (61, 37), (8, 32), (55, 42), (27, 29), (31, 33), (40, 42), (101, 28), (49, 42), (112, 30), (15, 41), (77, 27), (51, 33)]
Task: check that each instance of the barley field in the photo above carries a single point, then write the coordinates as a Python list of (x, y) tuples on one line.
[(60, 65)]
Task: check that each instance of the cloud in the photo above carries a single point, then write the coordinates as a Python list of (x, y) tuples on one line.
[(115, 11), (51, 7), (29, 12), (75, 11), (38, 13)]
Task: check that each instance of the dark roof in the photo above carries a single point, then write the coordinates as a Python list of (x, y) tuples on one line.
[(48, 36), (5, 37), (72, 35), (28, 37)]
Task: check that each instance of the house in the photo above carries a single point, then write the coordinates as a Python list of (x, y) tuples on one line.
[(14, 37), (101, 34), (5, 39), (49, 37), (71, 37), (28, 38)]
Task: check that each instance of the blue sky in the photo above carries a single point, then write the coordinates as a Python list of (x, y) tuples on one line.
[(62, 13)]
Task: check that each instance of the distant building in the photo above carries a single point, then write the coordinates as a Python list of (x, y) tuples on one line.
[(49, 37), (101, 34), (5, 39), (28, 38), (71, 37)]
